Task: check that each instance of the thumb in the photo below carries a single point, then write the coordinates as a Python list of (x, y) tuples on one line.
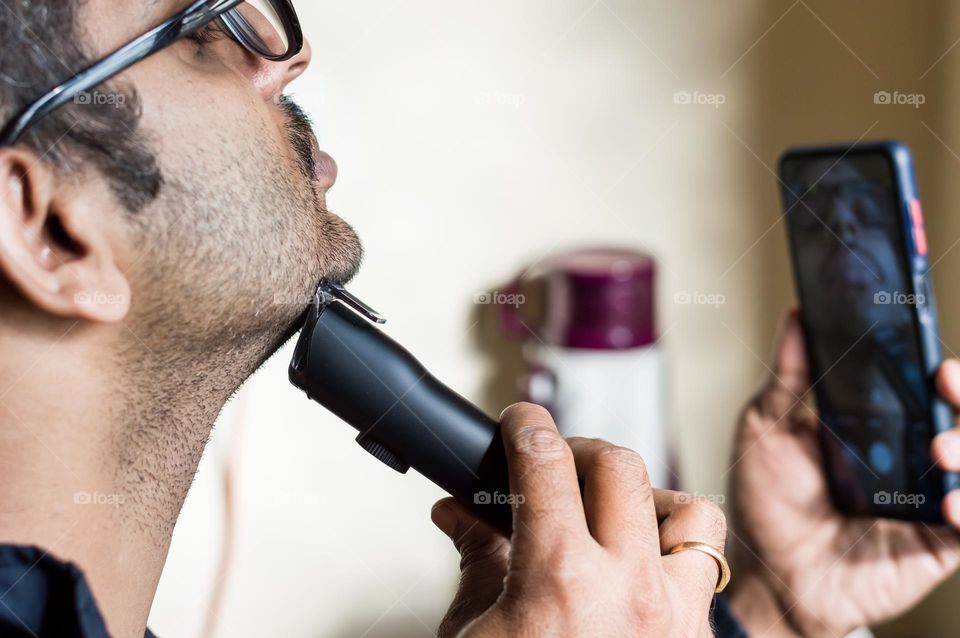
[(484, 556), (791, 377)]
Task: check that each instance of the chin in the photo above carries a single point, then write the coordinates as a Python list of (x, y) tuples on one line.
[(344, 258)]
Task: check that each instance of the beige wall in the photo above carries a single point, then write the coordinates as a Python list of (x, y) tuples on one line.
[(476, 138)]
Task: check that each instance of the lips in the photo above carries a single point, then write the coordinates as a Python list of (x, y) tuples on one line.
[(324, 168), (847, 268)]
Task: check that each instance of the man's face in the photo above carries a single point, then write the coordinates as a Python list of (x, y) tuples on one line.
[(240, 235), (846, 233)]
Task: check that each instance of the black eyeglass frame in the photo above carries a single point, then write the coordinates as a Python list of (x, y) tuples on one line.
[(197, 15)]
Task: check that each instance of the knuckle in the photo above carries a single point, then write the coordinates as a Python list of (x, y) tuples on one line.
[(648, 606), (567, 570), (540, 442), (480, 549), (628, 469), (711, 520), (643, 601), (622, 460)]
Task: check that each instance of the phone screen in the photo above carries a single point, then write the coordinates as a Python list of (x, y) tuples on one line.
[(860, 314)]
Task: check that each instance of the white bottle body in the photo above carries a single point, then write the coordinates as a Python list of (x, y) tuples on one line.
[(615, 395)]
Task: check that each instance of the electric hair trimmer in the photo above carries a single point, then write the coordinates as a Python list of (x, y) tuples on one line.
[(405, 416)]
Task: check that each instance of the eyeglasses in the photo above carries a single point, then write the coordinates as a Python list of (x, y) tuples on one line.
[(267, 28)]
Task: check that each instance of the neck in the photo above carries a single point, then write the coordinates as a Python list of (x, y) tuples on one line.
[(98, 461)]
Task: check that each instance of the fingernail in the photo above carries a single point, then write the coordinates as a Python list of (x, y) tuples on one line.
[(444, 518)]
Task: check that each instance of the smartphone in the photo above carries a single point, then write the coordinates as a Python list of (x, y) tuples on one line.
[(859, 252)]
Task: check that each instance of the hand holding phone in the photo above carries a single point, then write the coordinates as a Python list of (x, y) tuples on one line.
[(801, 566)]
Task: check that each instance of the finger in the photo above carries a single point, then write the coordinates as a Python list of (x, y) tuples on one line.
[(945, 450), (691, 519), (948, 382), (951, 509), (679, 513), (543, 476), (617, 498), (484, 556), (790, 380)]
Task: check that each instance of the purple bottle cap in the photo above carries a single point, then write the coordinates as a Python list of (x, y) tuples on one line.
[(596, 299)]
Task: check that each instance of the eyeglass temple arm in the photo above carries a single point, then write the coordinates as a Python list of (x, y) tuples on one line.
[(163, 35)]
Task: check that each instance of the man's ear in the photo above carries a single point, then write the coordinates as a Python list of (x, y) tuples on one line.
[(55, 249)]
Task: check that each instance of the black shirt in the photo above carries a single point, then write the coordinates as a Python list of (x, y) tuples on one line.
[(41, 597)]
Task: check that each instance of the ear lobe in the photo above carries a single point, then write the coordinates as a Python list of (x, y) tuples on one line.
[(55, 253), (92, 287)]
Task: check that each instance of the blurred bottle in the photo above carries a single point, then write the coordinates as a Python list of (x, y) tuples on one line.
[(587, 323)]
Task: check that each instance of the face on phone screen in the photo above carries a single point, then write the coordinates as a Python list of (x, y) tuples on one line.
[(859, 311)]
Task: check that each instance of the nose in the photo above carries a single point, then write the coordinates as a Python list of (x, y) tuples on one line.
[(843, 221), (272, 78)]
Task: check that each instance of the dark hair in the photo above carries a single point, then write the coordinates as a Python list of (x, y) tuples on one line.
[(40, 47)]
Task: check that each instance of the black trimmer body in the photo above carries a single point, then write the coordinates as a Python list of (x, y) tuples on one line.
[(405, 416)]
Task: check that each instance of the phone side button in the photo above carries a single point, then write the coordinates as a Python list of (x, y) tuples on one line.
[(920, 240), (919, 230)]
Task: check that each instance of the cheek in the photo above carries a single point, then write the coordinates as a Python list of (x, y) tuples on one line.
[(235, 214), (235, 224), (881, 246), (190, 96)]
